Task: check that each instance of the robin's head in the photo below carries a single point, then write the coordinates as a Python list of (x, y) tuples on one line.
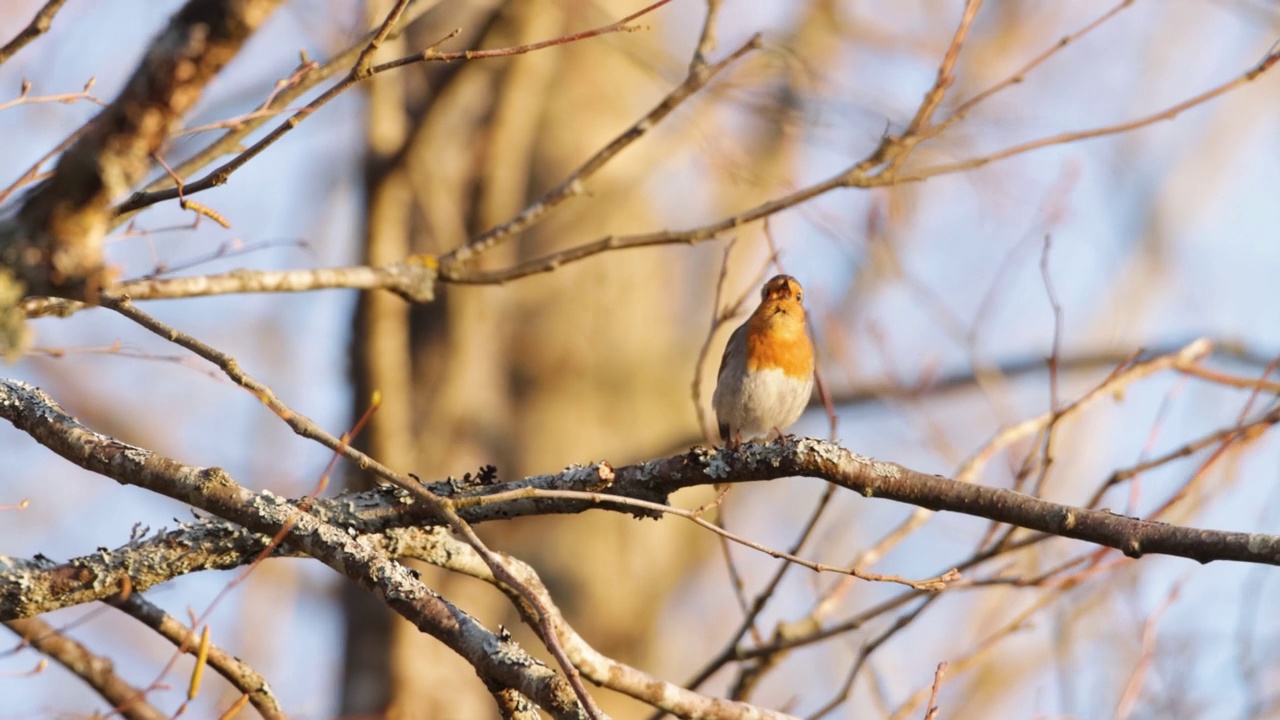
[(781, 300), (780, 288)]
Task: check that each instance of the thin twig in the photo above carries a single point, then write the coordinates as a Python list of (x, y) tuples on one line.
[(437, 506), (1217, 437), (706, 39), (1133, 688), (930, 584), (33, 173), (931, 712), (222, 173), (572, 185), (1267, 62), (26, 98), (946, 76), (363, 62), (865, 652), (38, 26), (1021, 73)]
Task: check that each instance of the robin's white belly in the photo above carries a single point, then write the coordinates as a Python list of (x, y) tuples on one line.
[(767, 400)]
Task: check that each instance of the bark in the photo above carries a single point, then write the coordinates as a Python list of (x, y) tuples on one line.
[(53, 246)]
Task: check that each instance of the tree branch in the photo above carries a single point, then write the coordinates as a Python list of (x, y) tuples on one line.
[(440, 549), (233, 669), (221, 174), (572, 185), (38, 26), (97, 671), (30, 587), (53, 246), (414, 280), (213, 544), (496, 658)]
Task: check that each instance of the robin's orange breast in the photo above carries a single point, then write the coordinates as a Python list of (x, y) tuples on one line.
[(789, 351)]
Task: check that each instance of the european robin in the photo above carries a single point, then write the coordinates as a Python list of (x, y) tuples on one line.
[(766, 374)]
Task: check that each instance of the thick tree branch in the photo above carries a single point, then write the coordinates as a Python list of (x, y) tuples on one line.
[(497, 659), (97, 671), (439, 507), (441, 550), (40, 586), (233, 669), (873, 479), (213, 544), (53, 246), (329, 530), (414, 280), (221, 174)]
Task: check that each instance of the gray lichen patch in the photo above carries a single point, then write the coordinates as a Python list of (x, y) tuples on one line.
[(715, 467)]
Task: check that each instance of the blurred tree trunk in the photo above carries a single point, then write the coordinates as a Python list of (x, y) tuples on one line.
[(591, 361)]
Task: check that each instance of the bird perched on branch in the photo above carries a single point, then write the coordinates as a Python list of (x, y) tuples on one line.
[(766, 374)]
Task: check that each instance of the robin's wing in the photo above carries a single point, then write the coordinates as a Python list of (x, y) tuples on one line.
[(732, 364), (737, 340)]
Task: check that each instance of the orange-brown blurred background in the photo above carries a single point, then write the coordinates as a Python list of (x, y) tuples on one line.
[(1157, 236)]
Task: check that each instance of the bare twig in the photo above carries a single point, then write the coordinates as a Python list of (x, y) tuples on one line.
[(213, 490), (1255, 384), (931, 712), (880, 168), (221, 174), (1133, 688), (362, 67), (1267, 62), (452, 262), (26, 98), (53, 245), (1055, 354), (976, 653), (706, 39), (751, 674), (307, 76), (1021, 73), (38, 26), (413, 280), (930, 584), (1124, 375), (439, 507), (945, 78), (33, 173), (1217, 437), (719, 315), (865, 652), (856, 177)]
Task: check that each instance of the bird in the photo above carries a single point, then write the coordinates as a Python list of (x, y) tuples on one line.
[(766, 372)]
